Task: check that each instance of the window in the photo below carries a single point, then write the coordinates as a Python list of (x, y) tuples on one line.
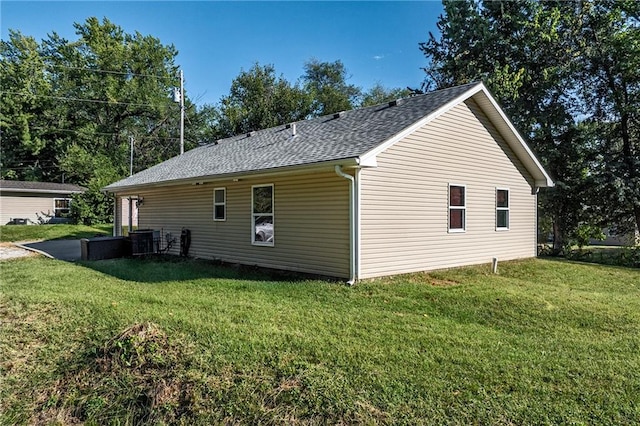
[(457, 208), (262, 215), (502, 209), (61, 207), (220, 204)]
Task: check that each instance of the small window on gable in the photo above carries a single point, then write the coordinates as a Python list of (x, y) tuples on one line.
[(262, 215), (502, 209), (220, 204), (457, 208)]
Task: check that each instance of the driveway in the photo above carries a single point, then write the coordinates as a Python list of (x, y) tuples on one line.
[(68, 250)]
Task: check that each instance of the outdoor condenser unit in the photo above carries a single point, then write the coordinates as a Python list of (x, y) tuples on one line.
[(144, 241)]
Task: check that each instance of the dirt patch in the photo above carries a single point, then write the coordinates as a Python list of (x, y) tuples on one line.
[(441, 283), (11, 251), (140, 370)]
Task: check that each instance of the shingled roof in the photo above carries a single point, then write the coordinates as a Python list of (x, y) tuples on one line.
[(40, 187), (336, 137)]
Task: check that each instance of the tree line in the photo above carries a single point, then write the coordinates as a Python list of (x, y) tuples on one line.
[(69, 109)]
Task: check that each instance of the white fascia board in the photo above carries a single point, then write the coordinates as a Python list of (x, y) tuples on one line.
[(531, 162), (368, 161), (369, 157)]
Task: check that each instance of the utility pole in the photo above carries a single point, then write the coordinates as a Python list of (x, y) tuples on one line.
[(130, 174), (131, 156), (178, 96), (181, 112)]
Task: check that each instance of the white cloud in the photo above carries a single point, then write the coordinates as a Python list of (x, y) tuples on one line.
[(378, 57)]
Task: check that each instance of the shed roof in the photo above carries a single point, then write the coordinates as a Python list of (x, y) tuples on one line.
[(353, 136), (40, 187)]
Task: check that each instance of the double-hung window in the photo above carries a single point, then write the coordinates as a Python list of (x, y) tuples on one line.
[(61, 207), (262, 215), (457, 208), (219, 204), (502, 209)]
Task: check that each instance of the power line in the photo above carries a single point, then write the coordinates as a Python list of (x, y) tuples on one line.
[(65, 98), (132, 74), (137, 136)]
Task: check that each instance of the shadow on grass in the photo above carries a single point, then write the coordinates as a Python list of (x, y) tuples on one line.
[(165, 268)]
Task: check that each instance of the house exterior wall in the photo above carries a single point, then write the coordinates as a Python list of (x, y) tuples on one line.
[(26, 205), (404, 201), (311, 222)]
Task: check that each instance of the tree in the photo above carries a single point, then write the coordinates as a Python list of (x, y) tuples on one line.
[(25, 100), (379, 94), (257, 100), (611, 89), (70, 109), (327, 84)]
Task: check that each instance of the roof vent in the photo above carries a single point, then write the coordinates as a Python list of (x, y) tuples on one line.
[(291, 126), (338, 114), (394, 102), (250, 134)]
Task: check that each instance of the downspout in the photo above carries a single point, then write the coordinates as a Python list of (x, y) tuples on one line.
[(352, 224)]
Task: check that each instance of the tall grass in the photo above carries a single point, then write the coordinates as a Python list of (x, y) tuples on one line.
[(542, 342)]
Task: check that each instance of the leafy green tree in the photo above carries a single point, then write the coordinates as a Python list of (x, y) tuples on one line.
[(327, 84), (259, 99), (610, 87), (379, 94), (26, 151), (71, 108)]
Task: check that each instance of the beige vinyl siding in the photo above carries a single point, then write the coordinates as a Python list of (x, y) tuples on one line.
[(311, 222), (404, 201), (25, 206)]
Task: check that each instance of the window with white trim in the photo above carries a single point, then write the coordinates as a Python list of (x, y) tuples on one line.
[(61, 207), (457, 208), (262, 215), (219, 204), (502, 209)]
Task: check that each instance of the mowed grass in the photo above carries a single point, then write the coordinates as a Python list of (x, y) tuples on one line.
[(10, 233), (542, 342)]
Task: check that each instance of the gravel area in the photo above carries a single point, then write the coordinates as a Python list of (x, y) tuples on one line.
[(9, 251)]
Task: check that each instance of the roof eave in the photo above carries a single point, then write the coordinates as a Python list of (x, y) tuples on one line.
[(517, 143), (312, 167), (42, 191)]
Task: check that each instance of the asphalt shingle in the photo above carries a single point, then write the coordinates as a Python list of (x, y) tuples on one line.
[(21, 185), (317, 140)]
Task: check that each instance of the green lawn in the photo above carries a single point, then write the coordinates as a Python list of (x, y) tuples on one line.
[(51, 232), (147, 342)]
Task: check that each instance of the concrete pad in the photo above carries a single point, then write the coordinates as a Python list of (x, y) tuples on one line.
[(68, 250)]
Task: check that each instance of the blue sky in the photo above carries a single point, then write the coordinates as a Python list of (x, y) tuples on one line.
[(377, 41)]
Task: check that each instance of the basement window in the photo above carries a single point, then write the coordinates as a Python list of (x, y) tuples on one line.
[(219, 204), (502, 209), (457, 208), (262, 215)]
